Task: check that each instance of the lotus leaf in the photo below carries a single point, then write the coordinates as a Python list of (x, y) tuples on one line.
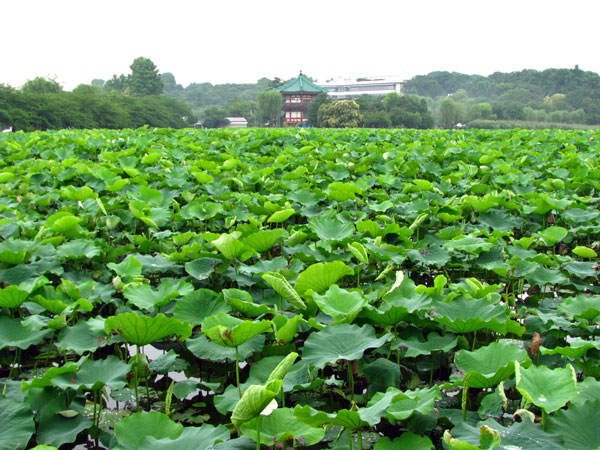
[(340, 342), (550, 389), (198, 305), (254, 400), (406, 440), (14, 334), (340, 304), (523, 435), (94, 374), (280, 285), (16, 424), (143, 330), (282, 426), (132, 431), (191, 438), (487, 366), (12, 297), (318, 277), (228, 331)]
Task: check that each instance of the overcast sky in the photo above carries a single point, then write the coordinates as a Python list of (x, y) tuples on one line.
[(241, 41)]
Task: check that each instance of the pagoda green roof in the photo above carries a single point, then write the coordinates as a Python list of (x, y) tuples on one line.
[(300, 84)]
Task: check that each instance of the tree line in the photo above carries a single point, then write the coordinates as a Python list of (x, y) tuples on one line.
[(567, 96), (42, 104)]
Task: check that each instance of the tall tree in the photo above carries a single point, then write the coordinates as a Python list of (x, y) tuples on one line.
[(313, 109), (269, 107), (144, 78), (449, 113), (340, 114), (41, 85)]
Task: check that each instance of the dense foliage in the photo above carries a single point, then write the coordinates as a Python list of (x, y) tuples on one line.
[(553, 95), (87, 107), (414, 289)]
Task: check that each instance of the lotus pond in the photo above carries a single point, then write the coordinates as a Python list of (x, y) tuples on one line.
[(345, 289)]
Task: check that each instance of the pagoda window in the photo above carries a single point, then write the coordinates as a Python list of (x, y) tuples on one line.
[(295, 99), (295, 114)]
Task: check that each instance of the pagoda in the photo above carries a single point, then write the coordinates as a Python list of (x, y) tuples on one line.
[(298, 94)]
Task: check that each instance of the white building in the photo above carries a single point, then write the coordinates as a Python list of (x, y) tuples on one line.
[(236, 122), (348, 88)]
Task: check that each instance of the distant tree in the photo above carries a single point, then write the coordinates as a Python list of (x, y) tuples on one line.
[(481, 111), (376, 119), (449, 113), (340, 114), (407, 111), (169, 83), (144, 78), (117, 83), (313, 109), (275, 83), (242, 108), (269, 108), (214, 117), (97, 82), (41, 85)]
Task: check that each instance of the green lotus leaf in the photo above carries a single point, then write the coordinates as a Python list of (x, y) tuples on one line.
[(44, 447), (584, 252), (16, 424), (78, 249), (468, 244), (131, 431), (330, 228), (229, 331), (343, 191), (254, 400), (14, 334), (143, 330), (340, 342), (198, 305), (282, 426), (202, 348), (145, 297), (580, 269), (434, 342), (577, 348), (79, 339), (281, 216), (552, 235), (232, 248), (46, 379), (58, 430), (577, 425), (130, 267), (261, 241), (406, 440), (191, 438), (281, 285), (318, 277), (359, 251), (370, 415), (14, 252), (487, 366), (465, 316), (12, 297), (242, 302), (94, 374), (586, 307), (340, 304), (406, 403), (523, 435), (549, 389), (281, 370), (286, 331), (543, 276), (201, 268)]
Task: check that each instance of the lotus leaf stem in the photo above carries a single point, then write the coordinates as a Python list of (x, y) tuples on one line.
[(351, 380), (359, 436), (237, 370)]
